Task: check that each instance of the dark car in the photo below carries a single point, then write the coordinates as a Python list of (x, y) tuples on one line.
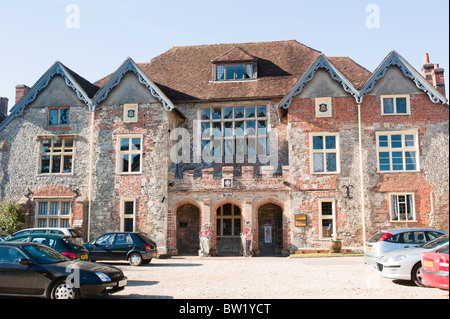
[(31, 269), (68, 246), (137, 248)]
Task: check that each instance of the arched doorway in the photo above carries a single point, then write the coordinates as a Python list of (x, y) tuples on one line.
[(270, 229), (228, 218), (188, 229)]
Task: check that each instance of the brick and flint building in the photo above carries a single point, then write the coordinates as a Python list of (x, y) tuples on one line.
[(303, 146)]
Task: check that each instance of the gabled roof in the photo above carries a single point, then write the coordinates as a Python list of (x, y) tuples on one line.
[(184, 73), (345, 64), (235, 54), (117, 76), (83, 88), (393, 58)]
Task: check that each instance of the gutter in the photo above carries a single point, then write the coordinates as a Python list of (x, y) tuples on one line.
[(91, 172), (361, 176)]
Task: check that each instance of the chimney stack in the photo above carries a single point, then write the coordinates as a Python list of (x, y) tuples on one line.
[(3, 106), (433, 74), (21, 91)]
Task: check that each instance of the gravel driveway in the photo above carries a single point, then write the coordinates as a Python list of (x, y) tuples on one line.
[(265, 278)]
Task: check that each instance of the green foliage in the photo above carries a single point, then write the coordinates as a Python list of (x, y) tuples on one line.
[(11, 216)]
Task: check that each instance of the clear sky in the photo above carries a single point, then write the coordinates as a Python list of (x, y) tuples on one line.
[(97, 36)]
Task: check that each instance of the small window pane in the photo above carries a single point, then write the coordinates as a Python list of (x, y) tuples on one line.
[(54, 208), (262, 127), (239, 128), (65, 208), (238, 112), (401, 105), (331, 162), (57, 145), (384, 159), (383, 141), (216, 113), (230, 71), (250, 111), (42, 209), (206, 129), (318, 142), (330, 142), (327, 208), (124, 144), (67, 168), (220, 69), (217, 129), (388, 105), (53, 117), (396, 141), (251, 128), (56, 165), (45, 164), (64, 116), (124, 159), (135, 162), (228, 113), (409, 140), (239, 71), (68, 145), (410, 161), (318, 162), (205, 114), (136, 143), (397, 161), (228, 129), (128, 208), (262, 111)]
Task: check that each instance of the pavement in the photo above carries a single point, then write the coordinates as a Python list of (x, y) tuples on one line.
[(192, 277)]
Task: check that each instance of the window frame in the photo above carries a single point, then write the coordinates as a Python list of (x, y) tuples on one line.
[(395, 97), (403, 149), (59, 115), (220, 217), (129, 152), (51, 153), (49, 216), (124, 216), (215, 140), (225, 71), (331, 217), (325, 151), (413, 200)]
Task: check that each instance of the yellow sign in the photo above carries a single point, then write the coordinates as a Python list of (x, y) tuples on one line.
[(301, 221)]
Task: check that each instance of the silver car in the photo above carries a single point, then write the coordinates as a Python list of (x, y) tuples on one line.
[(394, 239), (406, 263)]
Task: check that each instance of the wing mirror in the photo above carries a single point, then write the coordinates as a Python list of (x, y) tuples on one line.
[(25, 262)]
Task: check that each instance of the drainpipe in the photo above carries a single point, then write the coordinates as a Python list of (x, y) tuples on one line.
[(91, 169), (361, 176)]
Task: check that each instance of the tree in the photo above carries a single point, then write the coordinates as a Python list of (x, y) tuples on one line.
[(11, 216)]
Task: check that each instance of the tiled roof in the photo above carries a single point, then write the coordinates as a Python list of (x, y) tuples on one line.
[(185, 73)]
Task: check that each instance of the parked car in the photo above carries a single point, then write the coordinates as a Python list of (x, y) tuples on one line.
[(393, 239), (67, 246), (31, 269), (4, 235), (70, 232), (435, 268), (406, 263), (137, 248)]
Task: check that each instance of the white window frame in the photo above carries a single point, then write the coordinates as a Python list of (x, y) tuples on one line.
[(403, 149), (325, 151), (398, 220), (129, 152), (124, 216), (394, 97), (331, 217), (219, 140), (52, 152), (49, 216), (59, 115)]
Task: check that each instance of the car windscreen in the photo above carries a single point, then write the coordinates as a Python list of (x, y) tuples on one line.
[(146, 239), (45, 255), (435, 242)]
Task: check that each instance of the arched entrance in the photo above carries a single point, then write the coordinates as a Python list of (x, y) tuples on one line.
[(188, 229), (270, 229), (228, 218)]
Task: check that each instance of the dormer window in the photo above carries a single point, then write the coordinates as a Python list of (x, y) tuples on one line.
[(235, 65), (241, 71)]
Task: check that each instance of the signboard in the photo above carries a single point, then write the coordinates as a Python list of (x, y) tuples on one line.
[(301, 220), (267, 232)]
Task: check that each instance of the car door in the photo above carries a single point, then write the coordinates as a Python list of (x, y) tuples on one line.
[(101, 247), (123, 243), (413, 239), (15, 277)]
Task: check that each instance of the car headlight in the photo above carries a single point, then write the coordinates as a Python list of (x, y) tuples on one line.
[(103, 277), (397, 258)]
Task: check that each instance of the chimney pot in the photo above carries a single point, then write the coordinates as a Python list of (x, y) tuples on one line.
[(4, 105), (426, 58)]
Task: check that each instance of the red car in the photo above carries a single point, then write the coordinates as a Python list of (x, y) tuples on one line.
[(435, 268)]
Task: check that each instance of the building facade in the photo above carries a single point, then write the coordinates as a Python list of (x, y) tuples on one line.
[(302, 147)]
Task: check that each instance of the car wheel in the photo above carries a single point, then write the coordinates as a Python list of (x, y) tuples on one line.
[(135, 259), (63, 290), (416, 276)]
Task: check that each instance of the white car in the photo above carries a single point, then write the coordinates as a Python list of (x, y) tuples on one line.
[(406, 263), (69, 232)]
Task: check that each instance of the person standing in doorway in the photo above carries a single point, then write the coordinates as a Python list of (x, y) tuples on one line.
[(247, 237)]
